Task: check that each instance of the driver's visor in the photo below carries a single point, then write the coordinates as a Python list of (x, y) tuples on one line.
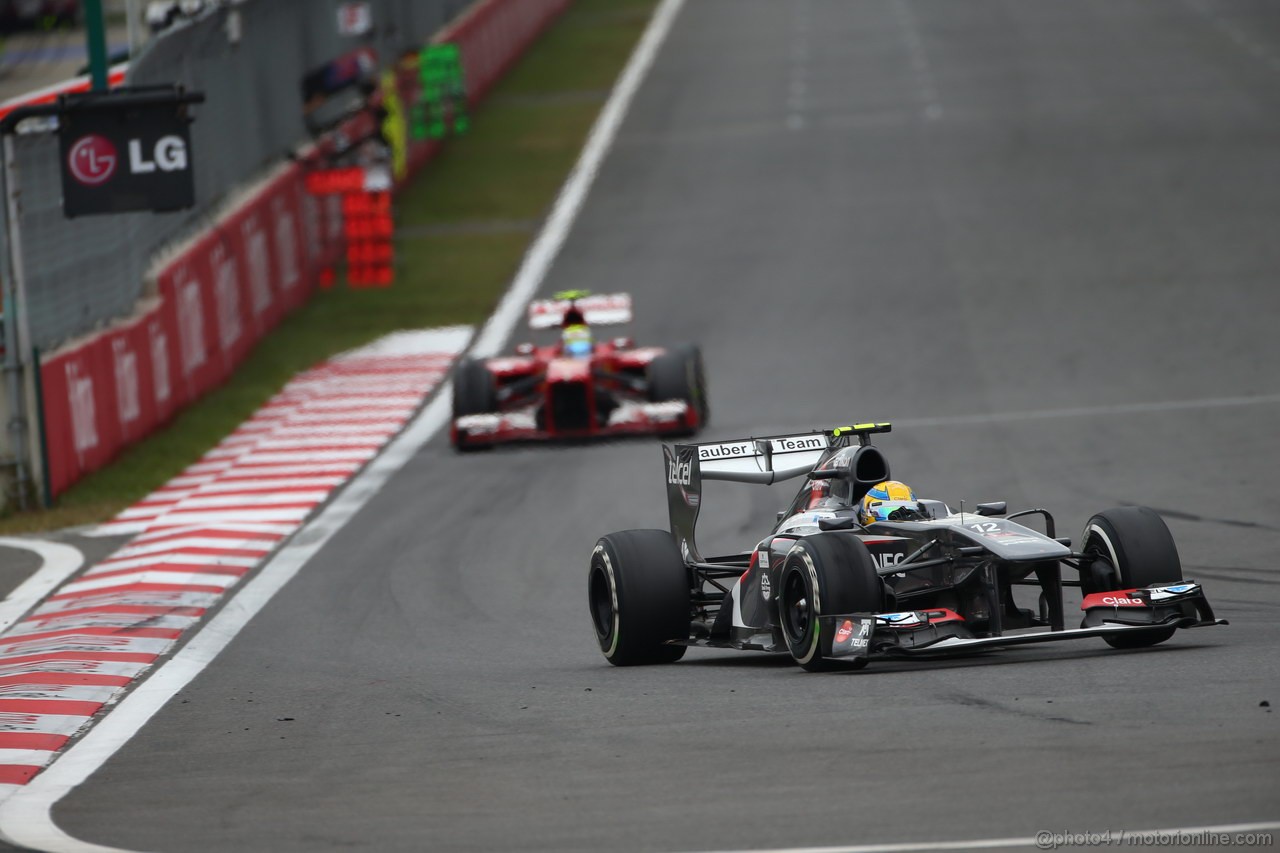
[(881, 510)]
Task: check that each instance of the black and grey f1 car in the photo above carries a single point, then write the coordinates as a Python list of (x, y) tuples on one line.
[(926, 582)]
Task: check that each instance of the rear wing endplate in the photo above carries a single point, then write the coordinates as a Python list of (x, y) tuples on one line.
[(765, 460)]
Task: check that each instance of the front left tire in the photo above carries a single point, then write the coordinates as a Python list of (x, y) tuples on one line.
[(825, 574), (473, 389), (1132, 548)]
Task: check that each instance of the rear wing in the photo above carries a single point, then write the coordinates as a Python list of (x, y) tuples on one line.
[(765, 460), (602, 309)]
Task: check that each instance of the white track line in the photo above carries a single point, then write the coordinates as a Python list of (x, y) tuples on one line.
[(60, 562), (26, 817), (1042, 840)]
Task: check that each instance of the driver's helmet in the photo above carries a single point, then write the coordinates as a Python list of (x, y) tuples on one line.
[(885, 499), (575, 341)]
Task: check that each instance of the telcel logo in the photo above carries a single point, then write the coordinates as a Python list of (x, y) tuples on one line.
[(679, 473)]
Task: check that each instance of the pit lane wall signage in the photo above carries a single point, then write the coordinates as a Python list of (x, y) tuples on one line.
[(125, 159)]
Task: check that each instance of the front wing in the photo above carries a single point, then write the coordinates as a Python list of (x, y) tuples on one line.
[(669, 417), (939, 633)]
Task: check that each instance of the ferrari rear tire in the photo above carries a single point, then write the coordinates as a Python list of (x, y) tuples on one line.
[(677, 374), (1135, 542), (825, 574), (473, 389), (640, 597)]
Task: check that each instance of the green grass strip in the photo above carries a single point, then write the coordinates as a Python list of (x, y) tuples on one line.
[(463, 226)]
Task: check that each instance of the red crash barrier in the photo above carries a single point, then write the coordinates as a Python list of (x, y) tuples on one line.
[(108, 392), (230, 287), (217, 299)]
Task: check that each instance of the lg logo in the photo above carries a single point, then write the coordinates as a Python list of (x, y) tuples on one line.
[(93, 158), (170, 155)]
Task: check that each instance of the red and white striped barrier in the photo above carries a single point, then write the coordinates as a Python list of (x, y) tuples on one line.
[(199, 535)]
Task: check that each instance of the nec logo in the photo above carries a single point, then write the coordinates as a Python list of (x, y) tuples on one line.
[(679, 473), (884, 561)]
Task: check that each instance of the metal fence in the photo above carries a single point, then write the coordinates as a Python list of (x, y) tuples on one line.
[(249, 59)]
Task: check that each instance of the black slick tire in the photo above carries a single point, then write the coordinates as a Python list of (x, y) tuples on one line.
[(638, 587), (1136, 544), (473, 390), (825, 574), (473, 393)]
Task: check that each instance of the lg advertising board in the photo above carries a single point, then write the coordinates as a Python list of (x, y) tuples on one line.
[(122, 153)]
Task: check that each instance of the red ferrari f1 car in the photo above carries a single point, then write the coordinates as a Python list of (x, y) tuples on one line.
[(577, 387)]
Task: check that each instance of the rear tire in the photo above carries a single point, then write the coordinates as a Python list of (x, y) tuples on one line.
[(677, 374), (639, 593), (825, 574), (1133, 549)]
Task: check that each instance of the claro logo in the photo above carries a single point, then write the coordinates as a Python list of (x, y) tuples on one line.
[(679, 473), (1121, 601)]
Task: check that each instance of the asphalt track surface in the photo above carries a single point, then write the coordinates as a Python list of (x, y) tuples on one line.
[(947, 215)]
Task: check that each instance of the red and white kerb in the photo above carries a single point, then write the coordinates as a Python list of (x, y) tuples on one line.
[(198, 536)]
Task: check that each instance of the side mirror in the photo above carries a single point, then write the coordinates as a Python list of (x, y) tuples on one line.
[(782, 513), (993, 508), (840, 522)]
